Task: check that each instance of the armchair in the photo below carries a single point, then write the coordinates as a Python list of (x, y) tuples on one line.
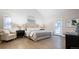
[(6, 35)]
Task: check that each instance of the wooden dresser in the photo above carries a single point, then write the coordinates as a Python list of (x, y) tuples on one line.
[(72, 40)]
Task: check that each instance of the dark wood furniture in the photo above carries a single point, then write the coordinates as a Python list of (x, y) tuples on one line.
[(20, 33), (72, 40)]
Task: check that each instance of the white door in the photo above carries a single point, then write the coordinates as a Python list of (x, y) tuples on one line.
[(58, 27)]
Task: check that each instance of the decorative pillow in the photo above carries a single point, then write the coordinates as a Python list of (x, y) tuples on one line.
[(22, 28), (11, 31), (33, 29), (6, 31)]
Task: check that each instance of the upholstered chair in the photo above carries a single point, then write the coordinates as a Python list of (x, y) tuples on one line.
[(7, 35)]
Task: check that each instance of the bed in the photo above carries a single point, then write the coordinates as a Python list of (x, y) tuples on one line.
[(36, 35)]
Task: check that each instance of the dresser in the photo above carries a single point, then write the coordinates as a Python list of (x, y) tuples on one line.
[(72, 40)]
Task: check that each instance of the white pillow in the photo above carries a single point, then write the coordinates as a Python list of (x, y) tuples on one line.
[(22, 28), (28, 33), (11, 30), (6, 31), (33, 29)]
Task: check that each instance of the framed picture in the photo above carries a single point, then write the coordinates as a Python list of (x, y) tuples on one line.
[(71, 22), (68, 23)]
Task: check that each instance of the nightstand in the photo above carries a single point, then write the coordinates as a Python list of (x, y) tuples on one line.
[(20, 33)]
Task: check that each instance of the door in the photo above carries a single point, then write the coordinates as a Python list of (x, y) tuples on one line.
[(58, 27)]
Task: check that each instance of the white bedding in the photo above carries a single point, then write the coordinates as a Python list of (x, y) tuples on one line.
[(29, 30), (38, 34)]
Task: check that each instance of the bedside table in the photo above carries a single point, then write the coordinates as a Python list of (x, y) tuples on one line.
[(20, 33)]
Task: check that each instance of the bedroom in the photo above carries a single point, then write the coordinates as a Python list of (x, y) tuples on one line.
[(20, 22)]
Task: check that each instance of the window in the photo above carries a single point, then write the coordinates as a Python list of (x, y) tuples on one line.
[(7, 22)]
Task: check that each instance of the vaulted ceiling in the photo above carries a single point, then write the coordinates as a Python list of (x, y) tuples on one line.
[(41, 13)]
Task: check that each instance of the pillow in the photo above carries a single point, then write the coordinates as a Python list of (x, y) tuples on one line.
[(11, 31), (33, 29), (6, 31), (42, 29), (22, 28)]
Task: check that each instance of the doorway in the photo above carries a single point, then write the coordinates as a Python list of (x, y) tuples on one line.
[(58, 27)]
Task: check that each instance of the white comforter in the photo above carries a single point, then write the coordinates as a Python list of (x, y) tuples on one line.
[(38, 34)]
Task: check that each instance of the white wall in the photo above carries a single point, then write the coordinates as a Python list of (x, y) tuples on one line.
[(42, 16), (20, 16), (61, 14)]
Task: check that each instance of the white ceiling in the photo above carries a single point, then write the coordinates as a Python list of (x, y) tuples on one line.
[(27, 12), (40, 13), (46, 13)]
